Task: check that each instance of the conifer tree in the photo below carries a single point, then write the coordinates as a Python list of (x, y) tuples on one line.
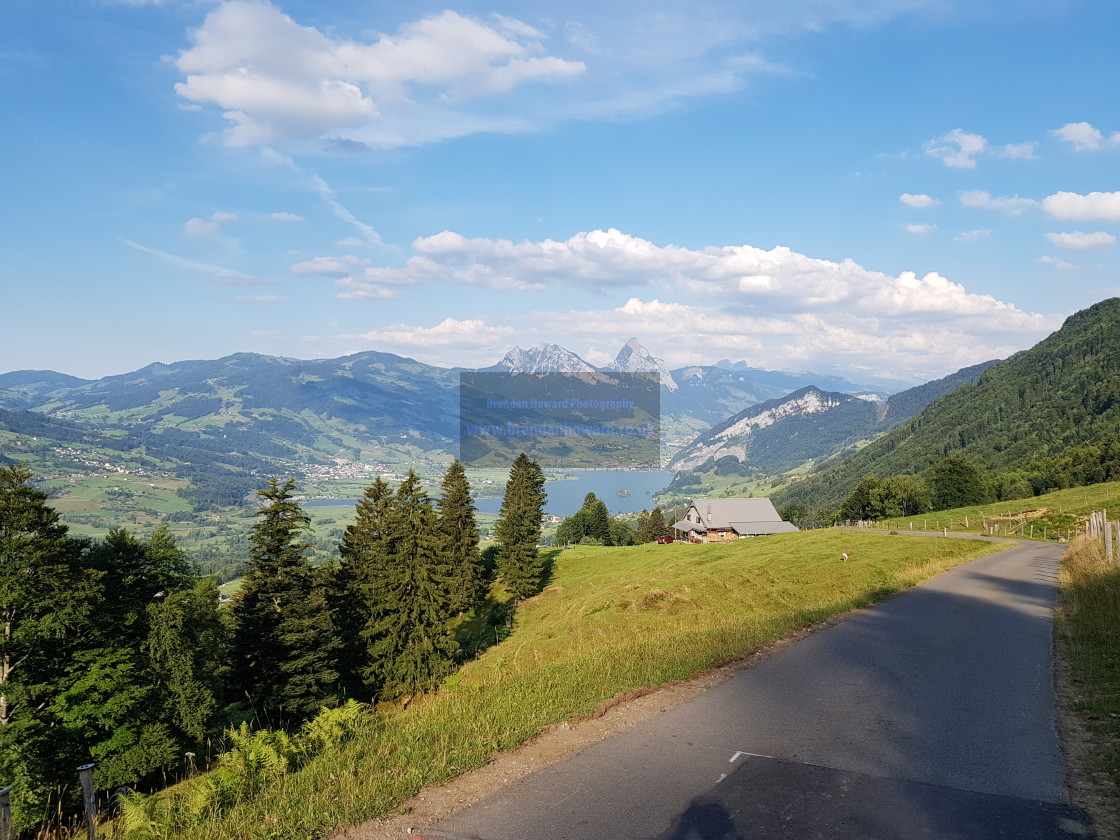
[(643, 532), (460, 531), (410, 645), (360, 583), (657, 526), (519, 528), (285, 643), (48, 601)]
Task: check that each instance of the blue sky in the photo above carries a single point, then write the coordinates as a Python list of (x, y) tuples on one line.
[(888, 188)]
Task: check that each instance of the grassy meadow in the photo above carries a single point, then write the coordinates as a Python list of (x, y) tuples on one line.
[(610, 620)]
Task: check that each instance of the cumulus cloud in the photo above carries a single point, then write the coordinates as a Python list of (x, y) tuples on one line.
[(957, 149), (274, 78), (920, 230), (1078, 241), (708, 302), (1011, 205), (1085, 138), (1076, 207), (921, 200)]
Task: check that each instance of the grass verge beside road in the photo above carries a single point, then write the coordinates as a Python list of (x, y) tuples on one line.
[(1088, 625), (612, 620)]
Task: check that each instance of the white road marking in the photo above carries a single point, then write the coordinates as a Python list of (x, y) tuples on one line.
[(755, 755)]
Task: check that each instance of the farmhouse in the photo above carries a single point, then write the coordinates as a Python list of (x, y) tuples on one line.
[(717, 520)]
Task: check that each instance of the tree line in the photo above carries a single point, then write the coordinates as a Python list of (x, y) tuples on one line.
[(118, 651)]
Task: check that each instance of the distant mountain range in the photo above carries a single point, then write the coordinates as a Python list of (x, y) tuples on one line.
[(230, 420)]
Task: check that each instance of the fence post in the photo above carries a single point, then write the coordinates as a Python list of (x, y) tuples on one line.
[(5, 813), (1107, 540), (85, 773)]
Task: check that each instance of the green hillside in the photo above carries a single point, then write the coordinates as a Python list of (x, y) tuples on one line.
[(612, 620), (1060, 399)]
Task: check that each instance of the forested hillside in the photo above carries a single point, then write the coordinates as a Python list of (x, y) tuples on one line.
[(1050, 414)]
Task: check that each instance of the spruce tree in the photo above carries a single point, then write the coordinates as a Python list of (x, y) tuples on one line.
[(360, 584), (657, 526), (460, 531), (519, 528), (643, 532), (410, 645), (285, 644)]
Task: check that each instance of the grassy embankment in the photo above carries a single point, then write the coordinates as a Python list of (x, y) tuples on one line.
[(1053, 515), (611, 621), (1088, 623)]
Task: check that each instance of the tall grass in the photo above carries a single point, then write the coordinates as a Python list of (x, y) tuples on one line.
[(612, 620), (1088, 620)]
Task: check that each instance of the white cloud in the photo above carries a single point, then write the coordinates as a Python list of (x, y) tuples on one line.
[(1077, 207), (817, 312), (207, 227), (1084, 138), (450, 333), (255, 299), (1078, 241), (351, 242), (920, 200), (274, 78), (974, 235), (331, 266), (449, 74), (1017, 151), (285, 217), (920, 230), (1011, 205), (957, 149), (1058, 263)]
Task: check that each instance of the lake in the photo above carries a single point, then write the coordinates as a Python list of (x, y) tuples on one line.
[(565, 497)]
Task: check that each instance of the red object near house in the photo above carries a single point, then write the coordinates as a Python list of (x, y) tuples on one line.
[(663, 540)]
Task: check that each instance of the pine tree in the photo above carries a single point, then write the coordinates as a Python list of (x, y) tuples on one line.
[(410, 645), (460, 530), (519, 528), (657, 526), (285, 644), (360, 584)]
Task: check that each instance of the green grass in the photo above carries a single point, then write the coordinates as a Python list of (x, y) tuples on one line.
[(612, 620), (1088, 621), (1050, 516)]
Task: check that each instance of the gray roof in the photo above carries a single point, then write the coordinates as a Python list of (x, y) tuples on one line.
[(743, 516)]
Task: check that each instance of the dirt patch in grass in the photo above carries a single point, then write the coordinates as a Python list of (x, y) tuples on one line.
[(558, 741)]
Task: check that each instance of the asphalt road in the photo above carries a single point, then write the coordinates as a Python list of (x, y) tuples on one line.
[(929, 716)]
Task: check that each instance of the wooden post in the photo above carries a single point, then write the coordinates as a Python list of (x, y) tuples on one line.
[(85, 773), (1107, 540), (5, 813)]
